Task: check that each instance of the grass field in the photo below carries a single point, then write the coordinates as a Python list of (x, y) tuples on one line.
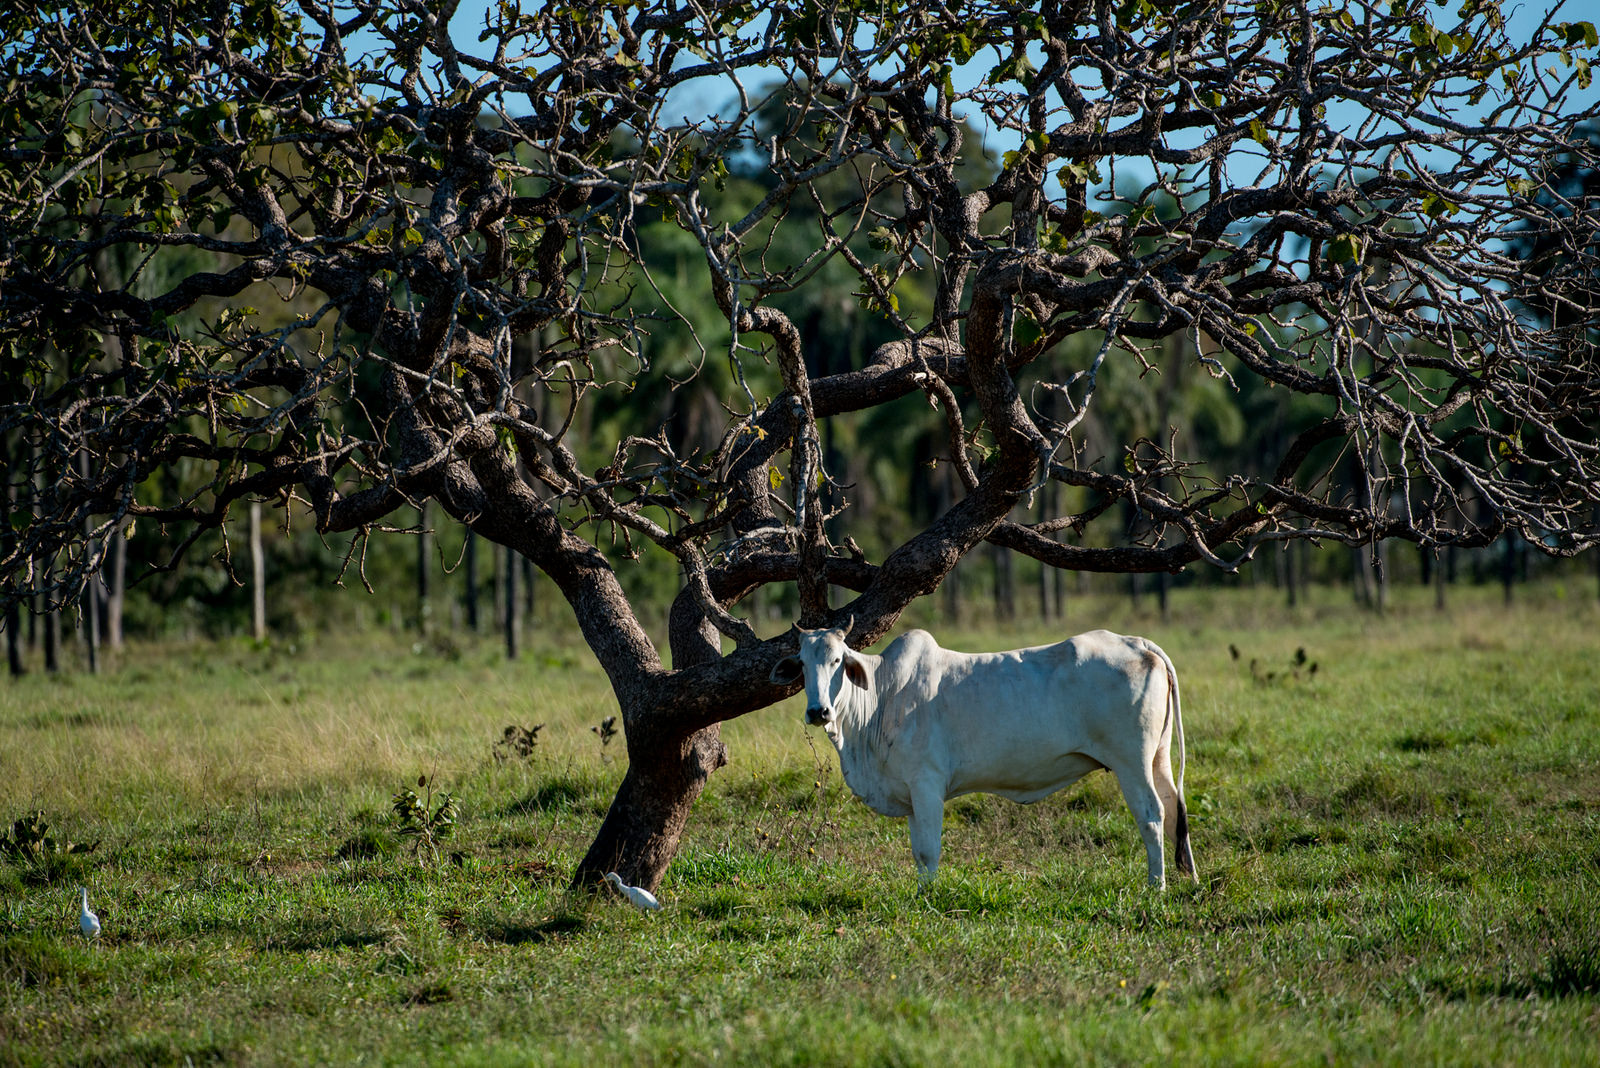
[(1399, 857)]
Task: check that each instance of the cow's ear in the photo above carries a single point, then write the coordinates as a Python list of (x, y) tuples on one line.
[(786, 671), (855, 671)]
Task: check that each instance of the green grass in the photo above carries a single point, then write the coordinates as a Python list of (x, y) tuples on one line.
[(1399, 858)]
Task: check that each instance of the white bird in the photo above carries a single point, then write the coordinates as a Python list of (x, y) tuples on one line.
[(640, 899), (88, 922)]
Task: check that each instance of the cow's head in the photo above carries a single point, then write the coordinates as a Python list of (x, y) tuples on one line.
[(826, 663)]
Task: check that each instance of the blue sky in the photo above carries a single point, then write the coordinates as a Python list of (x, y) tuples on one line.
[(707, 97)]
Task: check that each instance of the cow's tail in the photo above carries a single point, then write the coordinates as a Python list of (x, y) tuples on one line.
[(1180, 825)]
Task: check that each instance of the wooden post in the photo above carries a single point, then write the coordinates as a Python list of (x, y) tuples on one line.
[(258, 577)]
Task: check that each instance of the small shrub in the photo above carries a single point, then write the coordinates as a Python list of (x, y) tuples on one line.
[(1300, 668), (606, 731), (43, 859), (517, 742), (423, 821)]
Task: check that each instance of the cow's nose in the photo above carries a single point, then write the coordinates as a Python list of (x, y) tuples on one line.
[(818, 716)]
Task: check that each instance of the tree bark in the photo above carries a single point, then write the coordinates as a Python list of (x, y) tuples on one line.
[(666, 775)]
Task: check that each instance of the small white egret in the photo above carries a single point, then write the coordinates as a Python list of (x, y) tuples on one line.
[(640, 899), (88, 922)]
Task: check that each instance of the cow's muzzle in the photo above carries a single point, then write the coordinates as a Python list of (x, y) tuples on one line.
[(818, 717)]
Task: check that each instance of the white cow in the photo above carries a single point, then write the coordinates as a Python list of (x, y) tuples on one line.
[(920, 724)]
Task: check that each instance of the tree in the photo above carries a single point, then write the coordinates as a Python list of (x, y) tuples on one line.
[(445, 229)]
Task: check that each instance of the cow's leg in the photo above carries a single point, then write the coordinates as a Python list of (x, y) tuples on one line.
[(1176, 814), (1139, 790), (927, 827)]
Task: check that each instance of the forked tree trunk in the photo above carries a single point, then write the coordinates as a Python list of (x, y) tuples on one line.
[(641, 831), (665, 776)]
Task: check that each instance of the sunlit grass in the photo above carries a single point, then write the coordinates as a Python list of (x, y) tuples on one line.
[(1397, 855)]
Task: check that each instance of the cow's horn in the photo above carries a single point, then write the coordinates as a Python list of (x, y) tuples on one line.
[(848, 623)]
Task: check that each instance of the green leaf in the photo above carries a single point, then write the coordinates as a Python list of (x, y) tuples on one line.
[(1346, 248), (1259, 132), (1577, 34)]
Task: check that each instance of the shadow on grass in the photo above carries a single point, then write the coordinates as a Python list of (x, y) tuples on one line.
[(323, 937), (31, 960), (516, 934), (158, 1051), (562, 794), (816, 901)]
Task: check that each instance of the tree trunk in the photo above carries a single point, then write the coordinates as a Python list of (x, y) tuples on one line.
[(1380, 576), (640, 834), (14, 640), (1005, 602), (424, 547), (641, 831), (91, 595), (1361, 576), (258, 577), (952, 596), (469, 565), (952, 582), (1508, 565), (116, 588), (511, 604), (52, 641), (529, 592), (13, 619)]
